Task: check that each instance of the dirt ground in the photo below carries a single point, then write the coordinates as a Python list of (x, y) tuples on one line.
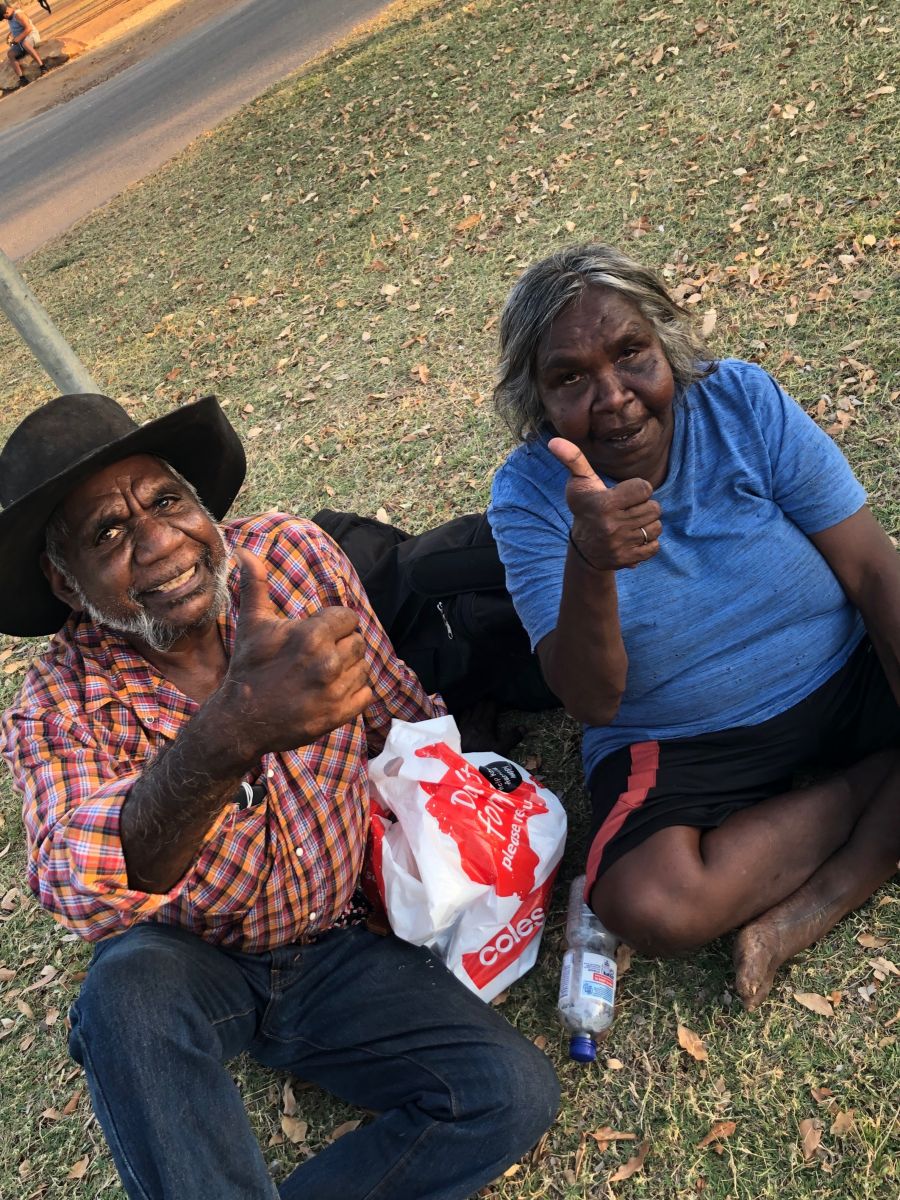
[(107, 36)]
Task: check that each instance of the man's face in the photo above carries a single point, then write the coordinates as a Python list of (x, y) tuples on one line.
[(142, 556)]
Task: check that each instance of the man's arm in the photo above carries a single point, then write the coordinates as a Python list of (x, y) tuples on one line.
[(868, 567), (289, 683), (29, 28)]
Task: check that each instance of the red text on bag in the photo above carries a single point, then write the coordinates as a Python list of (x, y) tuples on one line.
[(508, 943), (490, 828)]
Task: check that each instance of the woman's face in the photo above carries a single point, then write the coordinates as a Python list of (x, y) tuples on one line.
[(607, 386)]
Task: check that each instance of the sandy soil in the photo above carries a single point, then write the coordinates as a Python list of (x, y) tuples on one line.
[(107, 36)]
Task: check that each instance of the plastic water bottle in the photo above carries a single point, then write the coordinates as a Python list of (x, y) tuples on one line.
[(587, 986)]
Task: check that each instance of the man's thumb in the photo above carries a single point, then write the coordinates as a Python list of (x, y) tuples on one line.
[(255, 600)]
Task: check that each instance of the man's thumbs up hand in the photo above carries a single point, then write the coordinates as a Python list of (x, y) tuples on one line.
[(292, 681)]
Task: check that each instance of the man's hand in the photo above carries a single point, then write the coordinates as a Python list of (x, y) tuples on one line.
[(292, 681), (609, 523)]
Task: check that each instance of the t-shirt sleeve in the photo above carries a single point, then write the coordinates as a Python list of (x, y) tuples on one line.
[(812, 482), (531, 529)]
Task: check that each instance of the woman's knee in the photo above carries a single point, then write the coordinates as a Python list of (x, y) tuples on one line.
[(663, 919)]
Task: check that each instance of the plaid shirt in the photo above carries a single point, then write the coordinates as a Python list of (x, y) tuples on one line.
[(92, 713)]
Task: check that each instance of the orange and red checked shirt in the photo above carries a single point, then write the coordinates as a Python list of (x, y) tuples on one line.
[(92, 713)]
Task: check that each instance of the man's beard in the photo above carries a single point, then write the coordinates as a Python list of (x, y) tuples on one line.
[(155, 632)]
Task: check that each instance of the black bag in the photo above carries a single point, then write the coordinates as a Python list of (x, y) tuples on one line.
[(441, 595)]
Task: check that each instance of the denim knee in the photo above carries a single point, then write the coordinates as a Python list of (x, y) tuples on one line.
[(524, 1092)]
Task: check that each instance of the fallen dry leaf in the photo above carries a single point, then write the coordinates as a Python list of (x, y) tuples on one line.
[(345, 1127), (47, 975), (871, 942), (810, 1137), (815, 1003), (821, 1094), (288, 1099), (615, 1064), (843, 1123), (708, 323), (78, 1170), (624, 955), (634, 1164), (718, 1133), (605, 1135), (469, 222), (294, 1128), (692, 1043), (880, 964)]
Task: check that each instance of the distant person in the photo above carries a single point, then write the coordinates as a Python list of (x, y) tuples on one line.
[(45, 6), (21, 37)]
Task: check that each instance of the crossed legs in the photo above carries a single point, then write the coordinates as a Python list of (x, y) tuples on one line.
[(783, 872)]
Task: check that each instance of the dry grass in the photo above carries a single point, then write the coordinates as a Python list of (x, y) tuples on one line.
[(318, 263)]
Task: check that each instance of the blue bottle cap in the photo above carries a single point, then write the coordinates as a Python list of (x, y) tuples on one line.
[(582, 1048)]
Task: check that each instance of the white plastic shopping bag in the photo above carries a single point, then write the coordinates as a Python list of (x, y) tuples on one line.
[(463, 851)]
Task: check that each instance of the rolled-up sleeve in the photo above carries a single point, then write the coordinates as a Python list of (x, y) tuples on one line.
[(72, 802)]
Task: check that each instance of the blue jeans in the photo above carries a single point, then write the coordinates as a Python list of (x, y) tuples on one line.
[(381, 1024)]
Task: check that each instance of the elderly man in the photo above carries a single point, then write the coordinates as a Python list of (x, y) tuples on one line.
[(191, 748)]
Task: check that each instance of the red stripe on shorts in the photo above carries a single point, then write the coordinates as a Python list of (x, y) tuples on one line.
[(641, 778)]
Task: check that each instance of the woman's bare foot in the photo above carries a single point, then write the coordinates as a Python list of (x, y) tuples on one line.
[(763, 945)]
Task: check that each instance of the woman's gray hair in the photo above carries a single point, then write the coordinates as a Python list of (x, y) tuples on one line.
[(546, 288)]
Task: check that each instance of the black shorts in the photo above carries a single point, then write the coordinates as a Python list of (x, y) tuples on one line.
[(700, 781)]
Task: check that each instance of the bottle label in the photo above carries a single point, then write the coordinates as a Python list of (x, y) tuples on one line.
[(565, 979), (598, 977)]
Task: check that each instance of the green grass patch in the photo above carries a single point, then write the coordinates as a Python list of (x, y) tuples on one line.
[(332, 264)]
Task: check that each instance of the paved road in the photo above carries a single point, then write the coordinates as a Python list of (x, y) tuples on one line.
[(62, 164)]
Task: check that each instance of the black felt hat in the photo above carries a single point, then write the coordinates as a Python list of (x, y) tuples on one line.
[(66, 440)]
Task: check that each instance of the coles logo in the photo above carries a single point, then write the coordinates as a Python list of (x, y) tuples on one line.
[(490, 828), (508, 943)]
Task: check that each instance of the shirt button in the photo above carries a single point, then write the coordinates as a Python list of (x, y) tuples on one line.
[(270, 774), (298, 850), (313, 915)]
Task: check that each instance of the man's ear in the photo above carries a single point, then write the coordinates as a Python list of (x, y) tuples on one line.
[(60, 584)]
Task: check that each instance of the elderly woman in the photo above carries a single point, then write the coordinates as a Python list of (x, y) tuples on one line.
[(709, 594)]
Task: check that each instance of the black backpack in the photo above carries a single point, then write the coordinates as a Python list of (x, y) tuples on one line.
[(441, 595)]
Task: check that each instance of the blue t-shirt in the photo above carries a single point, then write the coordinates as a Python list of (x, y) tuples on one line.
[(737, 617)]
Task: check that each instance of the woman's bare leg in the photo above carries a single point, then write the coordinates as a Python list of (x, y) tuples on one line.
[(684, 887), (843, 882)]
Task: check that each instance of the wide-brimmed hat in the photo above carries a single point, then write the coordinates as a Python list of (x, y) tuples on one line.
[(66, 440)]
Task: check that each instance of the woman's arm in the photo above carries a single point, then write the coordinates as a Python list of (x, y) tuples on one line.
[(868, 567), (584, 659)]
